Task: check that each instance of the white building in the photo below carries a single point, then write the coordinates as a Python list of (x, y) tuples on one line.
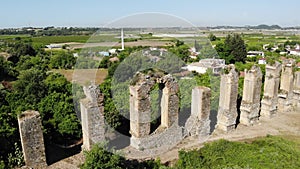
[(216, 65), (255, 53), (262, 61)]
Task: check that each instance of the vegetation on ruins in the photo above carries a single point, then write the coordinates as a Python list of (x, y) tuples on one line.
[(28, 82)]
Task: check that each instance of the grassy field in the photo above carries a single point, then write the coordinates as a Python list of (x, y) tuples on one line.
[(84, 76), (8, 37)]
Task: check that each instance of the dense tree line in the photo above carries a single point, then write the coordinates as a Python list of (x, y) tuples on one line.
[(28, 84)]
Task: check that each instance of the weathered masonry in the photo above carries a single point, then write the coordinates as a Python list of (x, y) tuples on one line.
[(169, 132), (250, 105), (198, 124), (30, 128), (296, 90), (269, 102), (92, 118), (285, 96), (227, 112)]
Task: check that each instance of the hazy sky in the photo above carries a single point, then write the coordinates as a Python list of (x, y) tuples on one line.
[(20, 13)]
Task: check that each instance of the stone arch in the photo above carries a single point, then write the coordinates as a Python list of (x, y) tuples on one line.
[(140, 107)]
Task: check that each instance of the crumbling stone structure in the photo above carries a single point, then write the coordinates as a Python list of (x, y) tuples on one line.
[(227, 112), (296, 90), (92, 118), (269, 102), (30, 128), (250, 105), (169, 132), (285, 96), (198, 123)]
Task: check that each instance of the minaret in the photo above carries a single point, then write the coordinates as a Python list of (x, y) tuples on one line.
[(122, 39)]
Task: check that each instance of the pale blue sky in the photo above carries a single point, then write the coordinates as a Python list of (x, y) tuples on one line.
[(20, 13)]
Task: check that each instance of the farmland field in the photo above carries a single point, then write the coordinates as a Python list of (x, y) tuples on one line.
[(84, 76)]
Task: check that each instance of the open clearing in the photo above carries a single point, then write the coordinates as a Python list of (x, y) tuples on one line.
[(84, 76)]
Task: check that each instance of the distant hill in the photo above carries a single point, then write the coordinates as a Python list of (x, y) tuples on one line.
[(262, 26), (265, 27)]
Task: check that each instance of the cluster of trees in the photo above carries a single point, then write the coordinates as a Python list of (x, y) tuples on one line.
[(28, 84), (233, 49), (48, 31)]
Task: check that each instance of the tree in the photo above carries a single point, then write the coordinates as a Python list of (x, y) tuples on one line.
[(99, 157), (233, 49), (212, 37)]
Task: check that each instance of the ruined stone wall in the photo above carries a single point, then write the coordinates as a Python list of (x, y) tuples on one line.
[(30, 128), (296, 90), (92, 118), (198, 123), (161, 140), (269, 102), (250, 105), (227, 112), (285, 96)]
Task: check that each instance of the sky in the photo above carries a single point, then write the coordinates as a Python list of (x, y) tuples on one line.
[(96, 13)]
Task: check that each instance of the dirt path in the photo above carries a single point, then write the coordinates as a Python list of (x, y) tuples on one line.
[(281, 124)]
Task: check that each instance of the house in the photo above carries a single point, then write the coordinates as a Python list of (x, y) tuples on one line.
[(262, 61), (255, 53), (216, 65), (52, 46), (104, 53), (114, 59), (294, 52)]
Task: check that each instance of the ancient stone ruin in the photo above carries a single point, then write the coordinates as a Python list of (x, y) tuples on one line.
[(30, 128), (169, 132), (269, 102), (250, 105), (92, 118), (285, 96), (296, 90), (198, 124), (227, 112)]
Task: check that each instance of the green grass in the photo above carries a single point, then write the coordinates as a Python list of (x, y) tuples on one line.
[(269, 152), (7, 37), (59, 39)]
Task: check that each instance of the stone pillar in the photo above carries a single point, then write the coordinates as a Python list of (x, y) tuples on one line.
[(251, 96), (285, 97), (199, 123), (30, 128), (296, 90), (169, 101), (92, 118), (140, 109), (227, 112), (269, 102)]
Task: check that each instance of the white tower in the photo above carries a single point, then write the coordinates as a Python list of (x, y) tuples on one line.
[(122, 39)]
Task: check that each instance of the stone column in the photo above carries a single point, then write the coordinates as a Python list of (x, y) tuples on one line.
[(269, 102), (30, 128), (227, 112), (199, 123), (92, 118), (251, 96), (285, 97), (296, 90), (140, 109), (169, 101)]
